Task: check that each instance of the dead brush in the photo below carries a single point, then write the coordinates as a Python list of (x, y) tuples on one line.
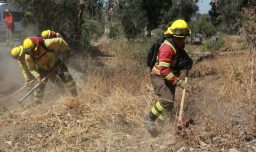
[(232, 100), (204, 69), (74, 104), (108, 114), (55, 128)]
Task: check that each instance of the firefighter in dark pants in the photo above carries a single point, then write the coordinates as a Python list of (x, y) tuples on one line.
[(43, 60), (171, 59), (49, 34)]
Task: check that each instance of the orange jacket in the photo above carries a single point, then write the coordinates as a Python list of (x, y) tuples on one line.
[(9, 22), (165, 61)]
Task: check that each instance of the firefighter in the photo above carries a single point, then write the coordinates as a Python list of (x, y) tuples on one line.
[(171, 59), (43, 58), (29, 24), (8, 19), (18, 54), (48, 34)]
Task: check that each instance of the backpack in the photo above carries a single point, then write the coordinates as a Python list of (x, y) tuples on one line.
[(45, 47), (153, 51), (39, 41), (183, 59)]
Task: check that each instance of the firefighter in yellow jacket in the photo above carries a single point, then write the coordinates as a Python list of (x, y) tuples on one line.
[(48, 34), (18, 54), (45, 58)]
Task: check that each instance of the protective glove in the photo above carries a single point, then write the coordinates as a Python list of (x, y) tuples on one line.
[(182, 84), (26, 83), (38, 79)]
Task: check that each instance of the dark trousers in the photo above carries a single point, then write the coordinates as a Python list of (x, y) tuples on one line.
[(166, 93), (59, 72)]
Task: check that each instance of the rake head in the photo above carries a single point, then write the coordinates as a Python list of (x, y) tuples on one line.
[(182, 125)]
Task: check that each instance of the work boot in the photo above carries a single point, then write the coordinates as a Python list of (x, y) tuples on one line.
[(150, 124), (38, 102)]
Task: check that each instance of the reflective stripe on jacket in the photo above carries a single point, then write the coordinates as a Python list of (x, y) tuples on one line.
[(165, 61)]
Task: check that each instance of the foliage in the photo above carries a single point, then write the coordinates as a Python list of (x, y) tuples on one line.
[(155, 9), (249, 25), (202, 24), (116, 29), (61, 16), (213, 44), (214, 14), (94, 8), (226, 14), (135, 15), (53, 14), (164, 11), (132, 17), (184, 9), (93, 29)]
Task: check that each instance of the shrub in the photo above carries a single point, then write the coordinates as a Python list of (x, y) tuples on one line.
[(93, 29), (214, 44), (115, 29)]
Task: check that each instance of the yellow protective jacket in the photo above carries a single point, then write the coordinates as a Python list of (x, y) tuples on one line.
[(24, 68), (42, 59)]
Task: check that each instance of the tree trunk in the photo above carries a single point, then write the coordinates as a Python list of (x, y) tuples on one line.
[(80, 21), (111, 6), (148, 30), (109, 13)]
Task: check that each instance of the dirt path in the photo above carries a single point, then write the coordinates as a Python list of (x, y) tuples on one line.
[(10, 77)]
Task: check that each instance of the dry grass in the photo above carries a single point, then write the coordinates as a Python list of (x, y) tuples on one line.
[(108, 114)]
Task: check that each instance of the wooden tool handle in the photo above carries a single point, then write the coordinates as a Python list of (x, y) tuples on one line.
[(182, 102)]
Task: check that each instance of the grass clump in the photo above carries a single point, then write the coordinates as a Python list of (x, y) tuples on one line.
[(213, 45)]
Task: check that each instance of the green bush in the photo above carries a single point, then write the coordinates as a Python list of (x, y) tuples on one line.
[(115, 29), (157, 32), (132, 18), (213, 45), (92, 28), (202, 25)]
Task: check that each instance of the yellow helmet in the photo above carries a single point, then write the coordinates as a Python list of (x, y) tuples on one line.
[(17, 52), (28, 45), (179, 28), (28, 13), (46, 34)]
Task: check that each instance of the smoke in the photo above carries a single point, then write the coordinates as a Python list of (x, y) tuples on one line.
[(31, 30), (11, 77)]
